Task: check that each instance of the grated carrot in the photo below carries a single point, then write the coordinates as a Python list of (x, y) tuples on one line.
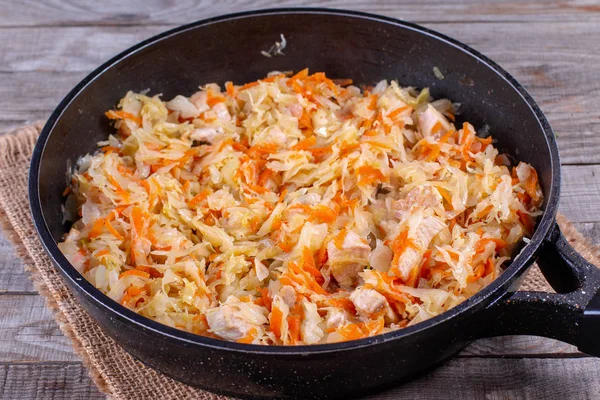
[(370, 175), (372, 102), (112, 230), (109, 149), (276, 320), (305, 143), (120, 191), (134, 272), (249, 338), (102, 253), (340, 238), (300, 75), (212, 100), (249, 85), (96, 228), (394, 113), (120, 114), (230, 89), (199, 198)]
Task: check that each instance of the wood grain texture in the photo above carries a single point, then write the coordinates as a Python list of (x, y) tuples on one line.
[(12, 275), (51, 381), (141, 12), (580, 194), (590, 230), (28, 332), (520, 346), (39, 65), (459, 379), (498, 379), (551, 47)]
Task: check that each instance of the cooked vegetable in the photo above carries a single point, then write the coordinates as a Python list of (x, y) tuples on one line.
[(295, 210)]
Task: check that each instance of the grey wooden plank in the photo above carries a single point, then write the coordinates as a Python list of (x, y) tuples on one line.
[(72, 49), (140, 12), (544, 51), (460, 378), (580, 195), (52, 381), (28, 331), (556, 62), (590, 230), (33, 95), (12, 275), (558, 65), (502, 379), (520, 346)]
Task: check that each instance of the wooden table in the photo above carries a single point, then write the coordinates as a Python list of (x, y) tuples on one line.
[(551, 47)]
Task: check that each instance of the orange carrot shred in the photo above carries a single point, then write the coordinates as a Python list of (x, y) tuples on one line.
[(134, 272), (102, 253), (300, 75), (276, 320), (394, 113), (197, 199), (96, 228), (120, 114), (340, 238), (230, 89)]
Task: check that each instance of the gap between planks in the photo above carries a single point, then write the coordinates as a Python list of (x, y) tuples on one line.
[(55, 13), (458, 379), (556, 62)]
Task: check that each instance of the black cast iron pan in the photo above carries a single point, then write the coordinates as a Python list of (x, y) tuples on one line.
[(366, 48)]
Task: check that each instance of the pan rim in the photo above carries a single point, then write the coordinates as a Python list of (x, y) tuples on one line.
[(495, 290)]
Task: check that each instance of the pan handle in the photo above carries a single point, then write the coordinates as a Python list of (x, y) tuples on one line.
[(571, 315)]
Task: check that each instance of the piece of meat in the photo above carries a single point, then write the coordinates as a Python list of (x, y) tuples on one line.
[(422, 196), (346, 262), (226, 322), (367, 301), (77, 260), (310, 199), (295, 110), (288, 294), (222, 112), (199, 100), (335, 319), (73, 235), (432, 122), (186, 108), (209, 135), (406, 263)]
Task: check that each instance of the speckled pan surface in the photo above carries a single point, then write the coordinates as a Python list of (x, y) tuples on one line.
[(366, 48)]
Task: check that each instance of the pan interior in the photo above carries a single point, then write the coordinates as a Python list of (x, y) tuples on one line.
[(344, 45)]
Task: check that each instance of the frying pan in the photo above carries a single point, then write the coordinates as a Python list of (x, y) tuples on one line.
[(344, 44)]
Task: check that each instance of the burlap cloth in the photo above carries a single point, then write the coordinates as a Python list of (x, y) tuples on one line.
[(113, 370)]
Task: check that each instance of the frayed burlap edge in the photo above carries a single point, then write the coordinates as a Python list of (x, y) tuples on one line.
[(30, 133), (19, 143), (115, 371)]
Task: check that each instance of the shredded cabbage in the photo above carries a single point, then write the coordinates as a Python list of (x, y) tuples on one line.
[(295, 210)]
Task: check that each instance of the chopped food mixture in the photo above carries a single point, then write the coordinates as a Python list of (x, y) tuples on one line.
[(295, 209)]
